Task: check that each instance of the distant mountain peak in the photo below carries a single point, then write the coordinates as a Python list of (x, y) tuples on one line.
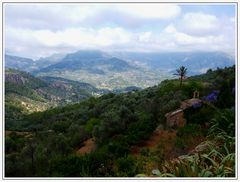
[(87, 54)]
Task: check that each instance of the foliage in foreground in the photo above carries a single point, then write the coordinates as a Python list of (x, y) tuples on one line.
[(212, 158)]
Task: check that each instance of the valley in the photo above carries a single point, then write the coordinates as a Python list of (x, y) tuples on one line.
[(112, 80)]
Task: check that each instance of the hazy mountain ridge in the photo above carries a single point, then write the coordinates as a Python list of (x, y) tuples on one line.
[(44, 62), (197, 62), (102, 71), (91, 61), (24, 64), (118, 70)]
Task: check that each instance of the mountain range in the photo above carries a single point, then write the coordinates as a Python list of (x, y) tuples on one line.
[(119, 70), (196, 62)]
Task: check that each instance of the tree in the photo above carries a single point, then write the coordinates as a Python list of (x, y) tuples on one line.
[(182, 71)]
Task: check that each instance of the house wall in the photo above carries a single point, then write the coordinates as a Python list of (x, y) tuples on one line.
[(176, 119)]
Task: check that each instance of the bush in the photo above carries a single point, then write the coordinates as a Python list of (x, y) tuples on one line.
[(126, 166), (140, 130), (179, 143), (10, 145), (91, 123), (60, 126), (144, 152), (199, 115), (189, 130), (118, 148)]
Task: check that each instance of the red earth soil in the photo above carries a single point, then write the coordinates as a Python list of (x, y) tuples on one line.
[(157, 136), (89, 146)]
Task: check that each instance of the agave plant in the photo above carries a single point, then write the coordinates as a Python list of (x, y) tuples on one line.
[(212, 158), (203, 165), (223, 122)]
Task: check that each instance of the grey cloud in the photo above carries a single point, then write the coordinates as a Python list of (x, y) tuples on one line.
[(35, 17), (59, 17)]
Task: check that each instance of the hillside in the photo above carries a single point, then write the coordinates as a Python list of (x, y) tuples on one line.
[(66, 140), (28, 93)]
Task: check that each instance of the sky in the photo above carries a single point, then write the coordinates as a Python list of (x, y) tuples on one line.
[(35, 30)]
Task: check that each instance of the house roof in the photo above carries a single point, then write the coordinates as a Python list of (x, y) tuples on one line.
[(173, 112), (189, 103), (184, 105)]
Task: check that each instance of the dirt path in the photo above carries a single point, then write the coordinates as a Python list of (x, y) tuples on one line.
[(89, 146), (19, 133), (159, 137)]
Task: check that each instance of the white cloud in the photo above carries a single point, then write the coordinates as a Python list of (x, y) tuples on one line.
[(74, 38), (200, 20), (145, 36), (112, 35), (173, 38), (199, 23), (41, 30), (170, 29), (151, 10), (29, 42), (52, 16), (185, 39), (202, 32)]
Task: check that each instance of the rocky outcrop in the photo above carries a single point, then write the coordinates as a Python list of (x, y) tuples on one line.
[(15, 78)]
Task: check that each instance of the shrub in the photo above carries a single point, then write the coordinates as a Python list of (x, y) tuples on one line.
[(179, 143), (10, 145), (144, 152), (91, 123), (189, 130), (199, 115), (60, 126), (126, 166), (118, 147)]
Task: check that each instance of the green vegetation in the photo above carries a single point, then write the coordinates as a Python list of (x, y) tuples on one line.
[(215, 157), (118, 122), (31, 94)]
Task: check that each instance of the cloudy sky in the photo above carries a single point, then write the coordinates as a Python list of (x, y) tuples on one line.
[(38, 30)]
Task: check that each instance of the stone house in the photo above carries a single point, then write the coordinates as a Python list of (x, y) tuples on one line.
[(176, 117)]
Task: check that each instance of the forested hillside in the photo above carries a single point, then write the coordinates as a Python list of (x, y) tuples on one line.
[(25, 93), (126, 134)]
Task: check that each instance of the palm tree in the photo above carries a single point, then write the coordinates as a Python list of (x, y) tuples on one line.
[(182, 71)]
